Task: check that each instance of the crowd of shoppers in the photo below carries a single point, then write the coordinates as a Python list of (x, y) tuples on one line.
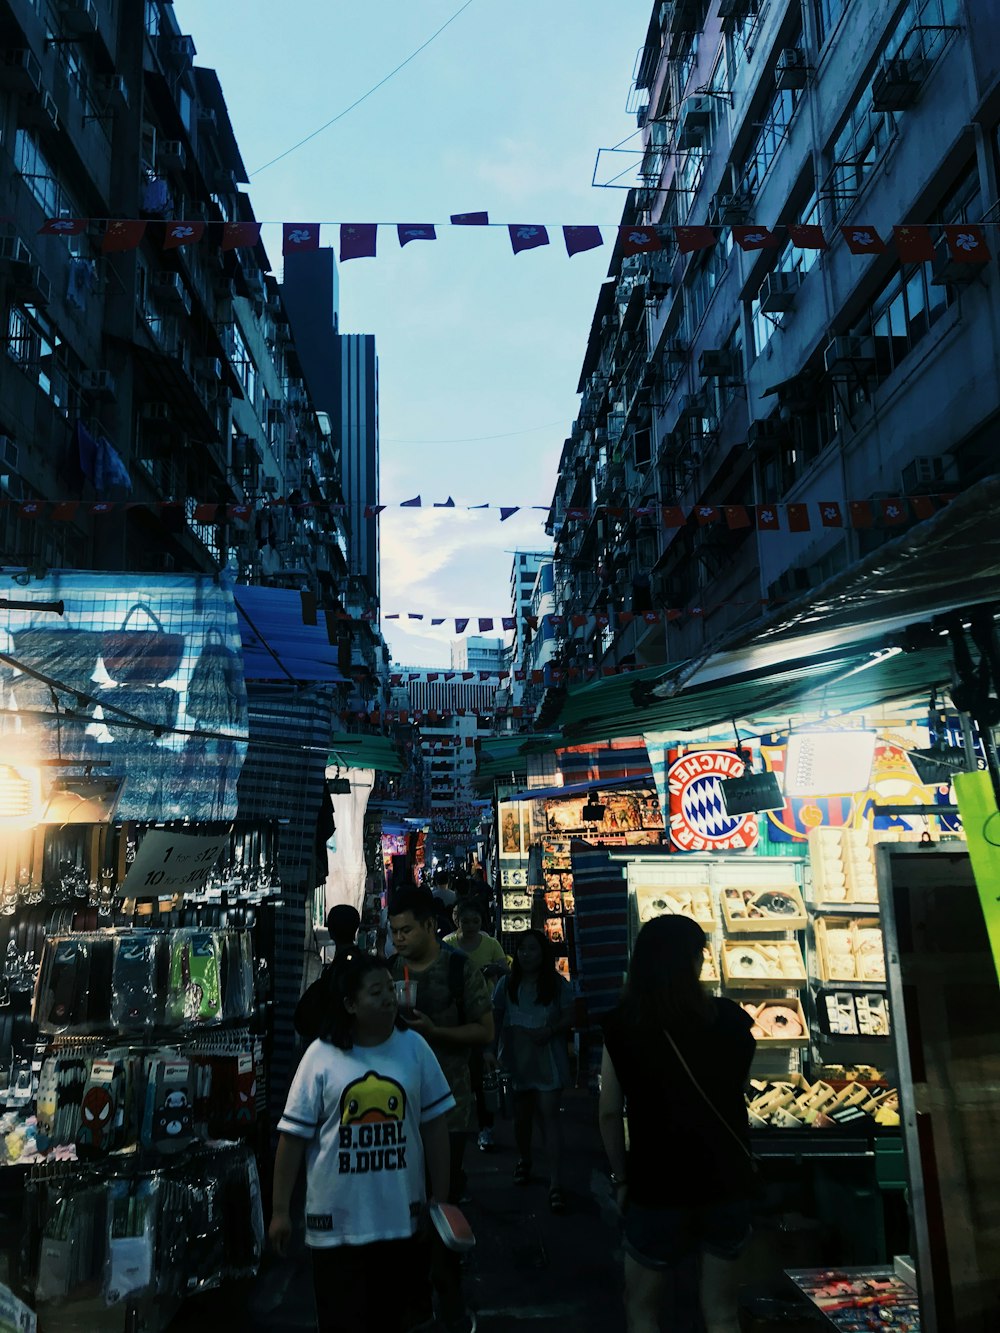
[(391, 1087)]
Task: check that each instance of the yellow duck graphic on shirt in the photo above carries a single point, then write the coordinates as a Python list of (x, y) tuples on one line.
[(372, 1099)]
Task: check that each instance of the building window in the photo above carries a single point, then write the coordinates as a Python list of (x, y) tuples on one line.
[(827, 14), (34, 345), (40, 177), (243, 364), (902, 314), (769, 139)]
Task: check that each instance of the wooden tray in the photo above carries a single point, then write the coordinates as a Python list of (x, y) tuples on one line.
[(784, 1002), (768, 954), (690, 900), (738, 899)]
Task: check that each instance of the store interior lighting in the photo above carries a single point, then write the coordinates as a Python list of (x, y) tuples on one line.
[(20, 795), (828, 763)]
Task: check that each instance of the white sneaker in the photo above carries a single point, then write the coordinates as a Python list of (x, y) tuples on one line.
[(485, 1140)]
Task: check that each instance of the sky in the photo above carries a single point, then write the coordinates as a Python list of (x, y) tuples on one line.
[(479, 350)]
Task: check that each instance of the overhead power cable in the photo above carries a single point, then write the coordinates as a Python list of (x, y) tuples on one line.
[(364, 96)]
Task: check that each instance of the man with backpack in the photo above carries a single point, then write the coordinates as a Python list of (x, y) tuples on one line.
[(453, 1012)]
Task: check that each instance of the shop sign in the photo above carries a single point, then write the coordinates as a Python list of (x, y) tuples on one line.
[(698, 818), (169, 862)]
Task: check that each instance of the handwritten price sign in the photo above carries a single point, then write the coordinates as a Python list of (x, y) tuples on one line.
[(169, 862)]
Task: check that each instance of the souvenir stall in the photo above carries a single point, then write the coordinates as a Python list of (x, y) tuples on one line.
[(136, 942)]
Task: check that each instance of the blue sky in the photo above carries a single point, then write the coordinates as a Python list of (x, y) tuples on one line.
[(505, 111)]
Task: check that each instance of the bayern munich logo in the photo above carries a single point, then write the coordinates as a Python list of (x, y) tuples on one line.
[(698, 819)]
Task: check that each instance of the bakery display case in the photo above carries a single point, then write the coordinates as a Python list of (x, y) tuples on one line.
[(797, 941)]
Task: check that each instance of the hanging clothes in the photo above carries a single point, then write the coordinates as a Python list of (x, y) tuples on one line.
[(80, 282)]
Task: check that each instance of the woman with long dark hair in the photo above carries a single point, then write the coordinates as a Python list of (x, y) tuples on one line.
[(366, 1110), (533, 1013), (676, 1061)]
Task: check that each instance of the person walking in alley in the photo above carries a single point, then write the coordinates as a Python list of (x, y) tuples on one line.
[(680, 1059), (533, 1011), (368, 1111), (486, 954), (342, 923), (451, 1009)]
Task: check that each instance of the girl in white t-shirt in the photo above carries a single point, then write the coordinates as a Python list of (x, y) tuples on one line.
[(366, 1110)]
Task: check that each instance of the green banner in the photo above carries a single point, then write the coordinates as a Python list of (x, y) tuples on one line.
[(981, 822)]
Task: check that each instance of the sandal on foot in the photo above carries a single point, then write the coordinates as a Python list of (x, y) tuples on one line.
[(522, 1172), (557, 1200)]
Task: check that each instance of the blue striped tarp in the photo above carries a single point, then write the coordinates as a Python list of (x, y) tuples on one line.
[(601, 932)]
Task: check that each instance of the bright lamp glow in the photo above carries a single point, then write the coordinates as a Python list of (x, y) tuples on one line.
[(20, 795), (828, 763)]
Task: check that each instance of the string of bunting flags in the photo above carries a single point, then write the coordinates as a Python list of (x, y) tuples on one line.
[(882, 511), (914, 242)]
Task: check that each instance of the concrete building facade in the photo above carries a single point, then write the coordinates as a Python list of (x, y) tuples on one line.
[(782, 375)]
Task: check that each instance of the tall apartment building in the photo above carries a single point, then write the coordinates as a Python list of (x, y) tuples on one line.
[(165, 376), (781, 375), (473, 652), (452, 714)]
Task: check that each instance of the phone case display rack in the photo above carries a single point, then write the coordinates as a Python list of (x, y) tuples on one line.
[(135, 1036), (809, 971), (548, 906)]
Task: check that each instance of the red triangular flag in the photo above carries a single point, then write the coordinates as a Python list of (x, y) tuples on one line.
[(507, 510), (863, 240), (893, 511), (527, 236), (798, 517), (626, 617), (736, 516), (182, 233), (913, 244), (63, 227), (508, 622), (767, 519), (237, 235), (485, 623), (102, 507), (415, 231), (807, 236), (651, 617), (358, 240), (673, 516), (706, 514), (31, 508), (967, 243), (206, 513), (831, 514), (578, 621), (861, 513), (579, 239), (461, 624), (923, 506), (470, 219), (65, 511), (750, 237), (299, 236), (415, 503), (122, 235), (639, 240), (239, 513), (694, 238)]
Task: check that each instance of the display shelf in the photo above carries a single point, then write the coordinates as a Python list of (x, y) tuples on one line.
[(844, 909), (811, 1143), (853, 1298)]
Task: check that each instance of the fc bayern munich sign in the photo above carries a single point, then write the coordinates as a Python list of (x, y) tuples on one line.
[(698, 819)]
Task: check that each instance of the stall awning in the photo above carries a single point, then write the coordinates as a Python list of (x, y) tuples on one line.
[(643, 779), (505, 758), (845, 645), (348, 750), (279, 642)]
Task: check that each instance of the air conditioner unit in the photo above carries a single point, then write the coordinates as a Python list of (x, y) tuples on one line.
[(154, 412), (765, 433), (12, 486), (208, 118), (170, 292), (734, 9), (171, 154), (732, 209), (694, 119), (849, 352), (718, 363), (78, 17), (223, 395), (115, 91), (927, 474), (675, 350), (777, 291), (897, 84), (224, 181), (692, 407), (39, 110), (790, 71), (99, 384), (269, 484), (946, 271), (20, 71), (274, 407), (8, 453), (180, 49), (209, 366)]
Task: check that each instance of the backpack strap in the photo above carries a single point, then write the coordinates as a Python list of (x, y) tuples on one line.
[(456, 979)]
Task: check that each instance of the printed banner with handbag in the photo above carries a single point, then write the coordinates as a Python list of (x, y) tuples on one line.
[(755, 1174), (141, 656), (215, 691)]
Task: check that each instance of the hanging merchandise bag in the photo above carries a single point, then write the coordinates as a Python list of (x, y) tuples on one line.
[(216, 691), (133, 983), (141, 656), (195, 994)]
